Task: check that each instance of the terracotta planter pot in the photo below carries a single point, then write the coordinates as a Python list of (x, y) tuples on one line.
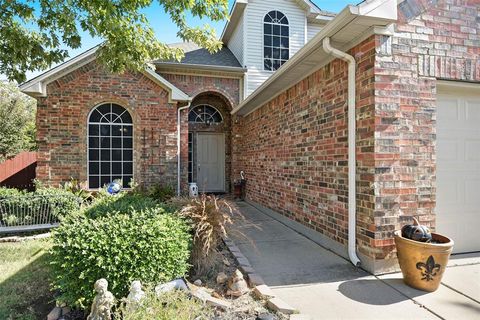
[(423, 264)]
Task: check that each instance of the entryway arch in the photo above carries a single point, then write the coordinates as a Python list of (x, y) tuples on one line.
[(209, 142)]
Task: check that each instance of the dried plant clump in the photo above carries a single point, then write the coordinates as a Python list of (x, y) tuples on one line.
[(210, 217)]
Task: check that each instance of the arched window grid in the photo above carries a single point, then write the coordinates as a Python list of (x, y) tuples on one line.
[(205, 114), (109, 145), (276, 42)]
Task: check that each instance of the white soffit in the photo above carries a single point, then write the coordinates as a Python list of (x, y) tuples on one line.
[(37, 87), (351, 25)]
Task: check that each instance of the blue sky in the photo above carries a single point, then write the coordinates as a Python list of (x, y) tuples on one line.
[(166, 30)]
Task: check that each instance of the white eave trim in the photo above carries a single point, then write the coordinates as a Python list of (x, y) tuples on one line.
[(235, 16), (37, 87), (376, 12), (191, 66)]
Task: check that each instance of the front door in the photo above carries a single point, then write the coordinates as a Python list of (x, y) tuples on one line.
[(211, 162)]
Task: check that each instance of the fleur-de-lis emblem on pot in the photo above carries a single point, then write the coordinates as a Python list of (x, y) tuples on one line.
[(429, 269)]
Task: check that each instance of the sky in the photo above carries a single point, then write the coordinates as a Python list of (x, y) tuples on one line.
[(166, 30)]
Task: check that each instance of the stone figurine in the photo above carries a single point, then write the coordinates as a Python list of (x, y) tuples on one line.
[(136, 295), (102, 303)]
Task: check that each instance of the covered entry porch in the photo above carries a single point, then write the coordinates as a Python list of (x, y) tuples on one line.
[(209, 143)]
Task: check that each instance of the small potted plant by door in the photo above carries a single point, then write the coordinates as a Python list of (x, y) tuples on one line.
[(422, 256)]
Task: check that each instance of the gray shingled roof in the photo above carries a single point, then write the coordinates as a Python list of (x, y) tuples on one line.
[(197, 55)]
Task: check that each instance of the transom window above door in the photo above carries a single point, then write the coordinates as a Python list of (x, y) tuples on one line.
[(110, 146), (275, 40), (204, 114)]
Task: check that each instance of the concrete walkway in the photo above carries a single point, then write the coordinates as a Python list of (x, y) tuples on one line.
[(323, 285)]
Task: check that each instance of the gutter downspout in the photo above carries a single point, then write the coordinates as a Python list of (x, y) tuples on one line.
[(179, 113), (352, 192)]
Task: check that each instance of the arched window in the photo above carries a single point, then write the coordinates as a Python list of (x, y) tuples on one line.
[(275, 40), (204, 114), (110, 146)]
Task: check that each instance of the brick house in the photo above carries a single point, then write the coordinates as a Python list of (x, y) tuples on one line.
[(376, 107)]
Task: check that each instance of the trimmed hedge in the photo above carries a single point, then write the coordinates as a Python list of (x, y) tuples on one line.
[(113, 240)]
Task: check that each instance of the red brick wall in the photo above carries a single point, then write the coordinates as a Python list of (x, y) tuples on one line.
[(294, 148), (62, 120)]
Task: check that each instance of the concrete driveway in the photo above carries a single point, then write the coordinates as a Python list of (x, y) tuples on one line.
[(323, 285)]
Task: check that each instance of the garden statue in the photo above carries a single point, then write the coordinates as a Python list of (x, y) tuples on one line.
[(136, 293), (102, 303)]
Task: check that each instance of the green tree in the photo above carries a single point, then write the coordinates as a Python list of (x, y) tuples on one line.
[(17, 121), (34, 34)]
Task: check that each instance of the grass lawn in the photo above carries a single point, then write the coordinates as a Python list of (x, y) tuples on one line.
[(25, 280)]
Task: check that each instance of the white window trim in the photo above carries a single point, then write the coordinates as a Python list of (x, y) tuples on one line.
[(208, 105), (88, 145), (263, 40)]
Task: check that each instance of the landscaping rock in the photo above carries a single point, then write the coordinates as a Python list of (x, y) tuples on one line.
[(205, 297), (278, 305), (237, 286), (218, 303), (266, 316), (198, 282), (55, 313), (222, 278), (177, 284), (263, 292)]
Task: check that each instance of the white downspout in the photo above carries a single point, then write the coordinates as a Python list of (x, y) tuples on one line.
[(352, 192), (179, 147)]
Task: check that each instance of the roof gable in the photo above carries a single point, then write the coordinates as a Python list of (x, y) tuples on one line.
[(311, 9), (37, 87)]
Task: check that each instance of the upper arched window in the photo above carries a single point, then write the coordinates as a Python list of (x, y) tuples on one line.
[(204, 114), (275, 40), (110, 146)]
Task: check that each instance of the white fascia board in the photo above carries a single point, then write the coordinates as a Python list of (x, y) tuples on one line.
[(348, 15), (235, 16), (175, 94), (37, 87), (386, 9)]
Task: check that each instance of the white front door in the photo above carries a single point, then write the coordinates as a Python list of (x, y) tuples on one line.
[(458, 166), (211, 162)]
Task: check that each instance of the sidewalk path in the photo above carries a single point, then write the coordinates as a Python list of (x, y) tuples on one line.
[(325, 286)]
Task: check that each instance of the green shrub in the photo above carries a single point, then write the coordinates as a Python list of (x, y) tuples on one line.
[(161, 193), (124, 202), (10, 192), (172, 305), (24, 208), (147, 245)]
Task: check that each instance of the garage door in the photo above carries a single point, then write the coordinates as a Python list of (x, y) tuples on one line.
[(458, 165)]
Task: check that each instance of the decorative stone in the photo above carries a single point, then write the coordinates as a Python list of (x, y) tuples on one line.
[(237, 286), (136, 295), (222, 278), (263, 292), (206, 298), (102, 303), (278, 305), (177, 284), (55, 313), (266, 316), (197, 282)]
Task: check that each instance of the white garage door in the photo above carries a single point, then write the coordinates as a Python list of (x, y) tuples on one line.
[(458, 165)]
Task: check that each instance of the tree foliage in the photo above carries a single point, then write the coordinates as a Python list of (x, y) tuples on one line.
[(17, 121), (37, 33)]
